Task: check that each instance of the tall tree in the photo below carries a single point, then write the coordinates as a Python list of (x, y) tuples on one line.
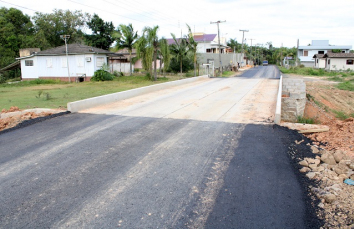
[(192, 46), (126, 38), (102, 33), (146, 48), (61, 22), (166, 55), (232, 43), (180, 49)]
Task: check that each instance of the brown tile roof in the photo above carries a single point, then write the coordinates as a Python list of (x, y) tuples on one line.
[(339, 55), (318, 56), (73, 49)]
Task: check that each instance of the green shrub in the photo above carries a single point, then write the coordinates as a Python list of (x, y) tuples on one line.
[(301, 119), (302, 66), (102, 75), (116, 73), (2, 79)]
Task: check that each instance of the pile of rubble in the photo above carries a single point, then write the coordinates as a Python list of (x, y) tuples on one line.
[(333, 171)]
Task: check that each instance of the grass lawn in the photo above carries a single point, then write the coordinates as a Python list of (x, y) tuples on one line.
[(345, 77), (55, 94), (228, 73)]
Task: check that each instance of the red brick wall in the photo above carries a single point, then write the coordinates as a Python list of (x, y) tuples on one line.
[(65, 79)]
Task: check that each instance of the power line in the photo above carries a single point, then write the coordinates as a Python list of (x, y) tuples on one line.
[(105, 11), (129, 9), (137, 4), (22, 7)]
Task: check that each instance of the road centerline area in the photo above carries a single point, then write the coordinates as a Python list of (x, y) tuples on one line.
[(123, 165)]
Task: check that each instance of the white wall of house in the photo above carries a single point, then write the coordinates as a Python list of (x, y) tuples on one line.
[(121, 67), (310, 54), (29, 72), (320, 63), (56, 66), (339, 64)]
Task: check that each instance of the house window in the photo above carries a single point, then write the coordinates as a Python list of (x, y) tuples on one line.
[(329, 62), (64, 62), (49, 62), (320, 52), (343, 51), (349, 62), (99, 61), (208, 50), (306, 53), (317, 61), (28, 62)]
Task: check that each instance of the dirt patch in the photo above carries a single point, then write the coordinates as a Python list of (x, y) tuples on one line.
[(18, 117)]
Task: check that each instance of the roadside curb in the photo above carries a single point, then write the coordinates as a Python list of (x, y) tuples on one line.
[(105, 99), (277, 117)]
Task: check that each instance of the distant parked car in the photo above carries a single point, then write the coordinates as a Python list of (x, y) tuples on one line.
[(265, 62)]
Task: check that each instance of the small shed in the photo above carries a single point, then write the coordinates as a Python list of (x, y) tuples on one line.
[(339, 61), (320, 61)]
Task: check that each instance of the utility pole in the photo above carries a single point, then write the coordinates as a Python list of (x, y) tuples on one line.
[(243, 37), (258, 54), (218, 22), (251, 49), (66, 37)]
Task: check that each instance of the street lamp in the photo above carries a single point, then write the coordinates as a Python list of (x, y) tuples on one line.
[(66, 37)]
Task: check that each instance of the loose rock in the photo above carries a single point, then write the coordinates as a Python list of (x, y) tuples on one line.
[(305, 170), (311, 175), (328, 159), (329, 198), (303, 163)]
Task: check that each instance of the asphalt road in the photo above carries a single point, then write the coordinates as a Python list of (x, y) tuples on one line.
[(89, 170)]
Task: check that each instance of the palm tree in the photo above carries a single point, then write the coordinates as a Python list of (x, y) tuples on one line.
[(146, 48), (126, 39), (165, 53), (179, 48), (192, 46)]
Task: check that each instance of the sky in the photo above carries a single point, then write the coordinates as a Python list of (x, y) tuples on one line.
[(281, 22)]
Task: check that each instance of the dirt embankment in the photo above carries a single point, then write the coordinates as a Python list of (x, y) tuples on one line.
[(333, 166), (13, 116), (332, 107)]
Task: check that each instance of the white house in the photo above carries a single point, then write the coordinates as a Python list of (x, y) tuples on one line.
[(339, 61), (306, 53), (207, 43), (82, 60)]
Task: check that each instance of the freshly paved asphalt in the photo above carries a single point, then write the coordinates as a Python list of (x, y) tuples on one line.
[(109, 171)]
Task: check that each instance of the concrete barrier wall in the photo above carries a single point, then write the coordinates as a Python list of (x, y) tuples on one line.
[(105, 99), (277, 117), (293, 99)]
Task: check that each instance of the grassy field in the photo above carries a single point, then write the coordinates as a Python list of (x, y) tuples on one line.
[(56, 94), (346, 78)]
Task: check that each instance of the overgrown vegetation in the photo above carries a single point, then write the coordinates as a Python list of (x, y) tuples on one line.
[(346, 78), (340, 115), (301, 119), (348, 86)]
